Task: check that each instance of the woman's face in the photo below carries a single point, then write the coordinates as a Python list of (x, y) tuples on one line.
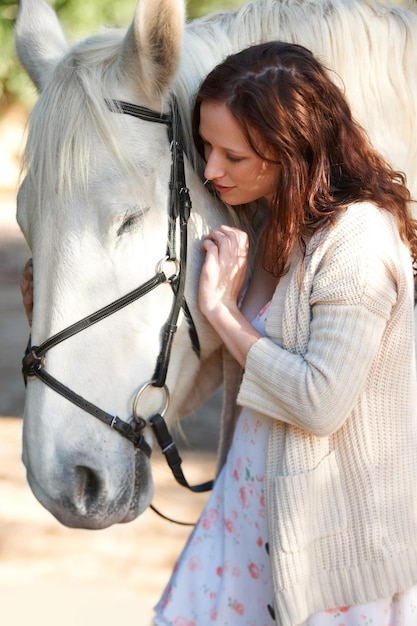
[(237, 172)]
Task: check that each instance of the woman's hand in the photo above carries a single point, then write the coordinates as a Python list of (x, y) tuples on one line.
[(221, 281), (26, 287), (224, 270)]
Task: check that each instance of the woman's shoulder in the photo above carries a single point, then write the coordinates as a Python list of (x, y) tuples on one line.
[(361, 224), (360, 252), (366, 213)]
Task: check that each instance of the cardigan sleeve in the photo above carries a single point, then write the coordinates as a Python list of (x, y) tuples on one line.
[(351, 292)]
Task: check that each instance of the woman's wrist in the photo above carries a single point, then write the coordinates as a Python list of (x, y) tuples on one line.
[(221, 313)]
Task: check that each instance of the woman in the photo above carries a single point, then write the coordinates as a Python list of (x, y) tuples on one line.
[(313, 517)]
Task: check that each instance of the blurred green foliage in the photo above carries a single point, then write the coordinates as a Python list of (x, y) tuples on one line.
[(79, 18)]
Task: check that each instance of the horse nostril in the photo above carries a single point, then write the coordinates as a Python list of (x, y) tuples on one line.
[(87, 488)]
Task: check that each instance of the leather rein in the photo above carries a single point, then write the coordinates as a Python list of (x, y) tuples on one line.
[(34, 361)]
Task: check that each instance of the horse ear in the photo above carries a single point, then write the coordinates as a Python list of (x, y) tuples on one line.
[(151, 50), (39, 40)]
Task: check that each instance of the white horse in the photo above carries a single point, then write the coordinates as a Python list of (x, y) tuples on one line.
[(93, 208)]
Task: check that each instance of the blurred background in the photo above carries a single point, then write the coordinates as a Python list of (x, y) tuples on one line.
[(51, 575)]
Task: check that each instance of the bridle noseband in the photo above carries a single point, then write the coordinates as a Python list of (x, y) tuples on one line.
[(179, 209)]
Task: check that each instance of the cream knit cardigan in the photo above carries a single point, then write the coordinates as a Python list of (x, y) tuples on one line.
[(341, 468)]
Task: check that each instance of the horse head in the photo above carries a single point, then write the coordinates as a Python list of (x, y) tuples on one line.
[(94, 207)]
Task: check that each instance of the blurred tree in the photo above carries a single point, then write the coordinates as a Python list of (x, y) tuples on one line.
[(10, 77), (197, 8), (79, 18)]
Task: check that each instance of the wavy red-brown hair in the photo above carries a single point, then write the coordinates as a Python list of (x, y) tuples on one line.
[(288, 106)]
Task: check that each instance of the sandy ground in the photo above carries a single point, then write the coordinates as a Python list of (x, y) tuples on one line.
[(51, 575)]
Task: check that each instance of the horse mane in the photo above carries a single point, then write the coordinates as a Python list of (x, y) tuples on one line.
[(351, 37), (342, 33)]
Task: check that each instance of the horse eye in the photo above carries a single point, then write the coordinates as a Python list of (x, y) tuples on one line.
[(131, 220)]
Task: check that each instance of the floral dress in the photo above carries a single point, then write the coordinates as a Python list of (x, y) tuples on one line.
[(223, 575)]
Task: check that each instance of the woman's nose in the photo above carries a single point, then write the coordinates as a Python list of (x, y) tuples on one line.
[(214, 167)]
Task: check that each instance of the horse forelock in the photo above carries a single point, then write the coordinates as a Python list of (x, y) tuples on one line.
[(69, 112)]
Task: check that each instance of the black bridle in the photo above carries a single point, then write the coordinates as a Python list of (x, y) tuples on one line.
[(179, 209)]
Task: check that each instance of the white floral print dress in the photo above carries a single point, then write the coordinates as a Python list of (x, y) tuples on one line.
[(223, 575)]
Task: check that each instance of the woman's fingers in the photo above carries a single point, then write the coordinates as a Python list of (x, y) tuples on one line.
[(231, 240), (224, 270)]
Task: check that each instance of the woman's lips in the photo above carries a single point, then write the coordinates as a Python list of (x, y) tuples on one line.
[(222, 189)]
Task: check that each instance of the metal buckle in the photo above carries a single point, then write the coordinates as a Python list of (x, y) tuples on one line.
[(138, 418), (160, 269)]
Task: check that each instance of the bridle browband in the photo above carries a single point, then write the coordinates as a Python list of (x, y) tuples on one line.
[(33, 364)]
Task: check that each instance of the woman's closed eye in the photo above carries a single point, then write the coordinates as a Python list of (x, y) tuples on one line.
[(234, 159)]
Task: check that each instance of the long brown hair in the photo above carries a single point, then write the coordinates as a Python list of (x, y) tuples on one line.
[(287, 105)]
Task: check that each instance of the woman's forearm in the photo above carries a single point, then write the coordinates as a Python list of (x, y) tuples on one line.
[(235, 331)]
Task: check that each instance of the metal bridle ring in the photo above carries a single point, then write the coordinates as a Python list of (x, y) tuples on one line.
[(160, 268), (139, 418)]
